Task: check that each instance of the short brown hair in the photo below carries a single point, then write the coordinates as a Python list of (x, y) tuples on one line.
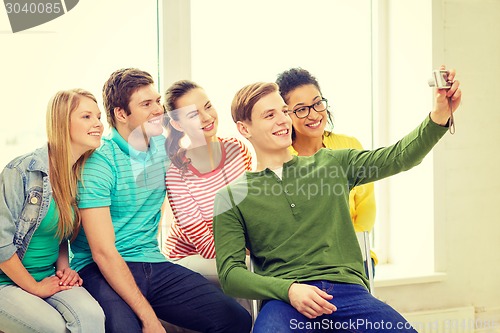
[(119, 87), (246, 98)]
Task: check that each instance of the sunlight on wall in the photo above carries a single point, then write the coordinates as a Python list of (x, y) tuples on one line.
[(250, 41), (79, 49), (234, 43)]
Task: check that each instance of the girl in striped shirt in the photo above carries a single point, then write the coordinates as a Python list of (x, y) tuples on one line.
[(197, 172)]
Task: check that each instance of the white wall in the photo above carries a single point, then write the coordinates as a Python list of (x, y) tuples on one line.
[(250, 41), (77, 50), (466, 184), (466, 187)]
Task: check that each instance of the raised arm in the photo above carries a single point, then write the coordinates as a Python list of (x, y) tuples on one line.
[(362, 199), (443, 98), (368, 166)]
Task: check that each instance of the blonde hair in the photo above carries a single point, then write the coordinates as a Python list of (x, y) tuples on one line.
[(63, 174)]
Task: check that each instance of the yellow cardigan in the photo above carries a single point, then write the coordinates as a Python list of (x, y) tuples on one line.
[(361, 198)]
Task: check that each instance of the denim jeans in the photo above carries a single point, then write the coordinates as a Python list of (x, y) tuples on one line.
[(177, 295), (208, 269), (357, 311), (71, 310)]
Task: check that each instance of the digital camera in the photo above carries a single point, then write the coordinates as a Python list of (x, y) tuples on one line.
[(440, 79)]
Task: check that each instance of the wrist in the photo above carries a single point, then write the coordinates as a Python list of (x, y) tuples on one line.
[(146, 313), (33, 287), (292, 286), (440, 118)]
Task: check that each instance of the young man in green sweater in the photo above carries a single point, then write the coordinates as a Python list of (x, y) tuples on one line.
[(292, 214)]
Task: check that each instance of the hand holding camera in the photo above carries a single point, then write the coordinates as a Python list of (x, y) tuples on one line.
[(440, 79), (448, 96)]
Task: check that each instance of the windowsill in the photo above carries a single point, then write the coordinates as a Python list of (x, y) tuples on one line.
[(390, 275)]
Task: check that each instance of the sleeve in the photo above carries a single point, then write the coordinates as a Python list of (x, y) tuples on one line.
[(362, 202), (363, 210), (367, 166), (236, 149), (247, 156), (98, 180), (10, 208), (235, 278), (188, 216)]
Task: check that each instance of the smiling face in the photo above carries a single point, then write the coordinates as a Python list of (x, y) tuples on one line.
[(270, 127), (314, 124), (85, 126), (196, 117), (146, 114)]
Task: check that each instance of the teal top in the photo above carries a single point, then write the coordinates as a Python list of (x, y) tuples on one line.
[(43, 249), (298, 228), (132, 184)]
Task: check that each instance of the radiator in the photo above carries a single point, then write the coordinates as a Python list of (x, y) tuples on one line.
[(455, 320), (487, 319)]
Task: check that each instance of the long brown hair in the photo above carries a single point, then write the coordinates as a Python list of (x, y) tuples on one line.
[(63, 174), (175, 152)]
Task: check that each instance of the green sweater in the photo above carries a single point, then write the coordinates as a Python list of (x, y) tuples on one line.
[(299, 228)]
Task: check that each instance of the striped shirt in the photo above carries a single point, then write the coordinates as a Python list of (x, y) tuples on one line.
[(191, 196)]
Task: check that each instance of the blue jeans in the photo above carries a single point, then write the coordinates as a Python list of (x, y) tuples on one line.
[(71, 310), (177, 295), (357, 311)]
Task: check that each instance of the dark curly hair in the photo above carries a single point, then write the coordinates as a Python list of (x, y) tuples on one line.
[(293, 78)]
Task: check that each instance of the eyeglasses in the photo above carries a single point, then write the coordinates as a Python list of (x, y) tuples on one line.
[(319, 106)]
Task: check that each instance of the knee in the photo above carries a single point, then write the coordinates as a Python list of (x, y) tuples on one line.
[(94, 313), (238, 320), (90, 317)]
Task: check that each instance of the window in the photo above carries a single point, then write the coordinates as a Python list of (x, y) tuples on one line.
[(253, 41), (77, 50), (403, 36), (365, 54)]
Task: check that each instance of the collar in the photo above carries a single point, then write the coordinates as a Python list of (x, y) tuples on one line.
[(131, 151), (40, 161)]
